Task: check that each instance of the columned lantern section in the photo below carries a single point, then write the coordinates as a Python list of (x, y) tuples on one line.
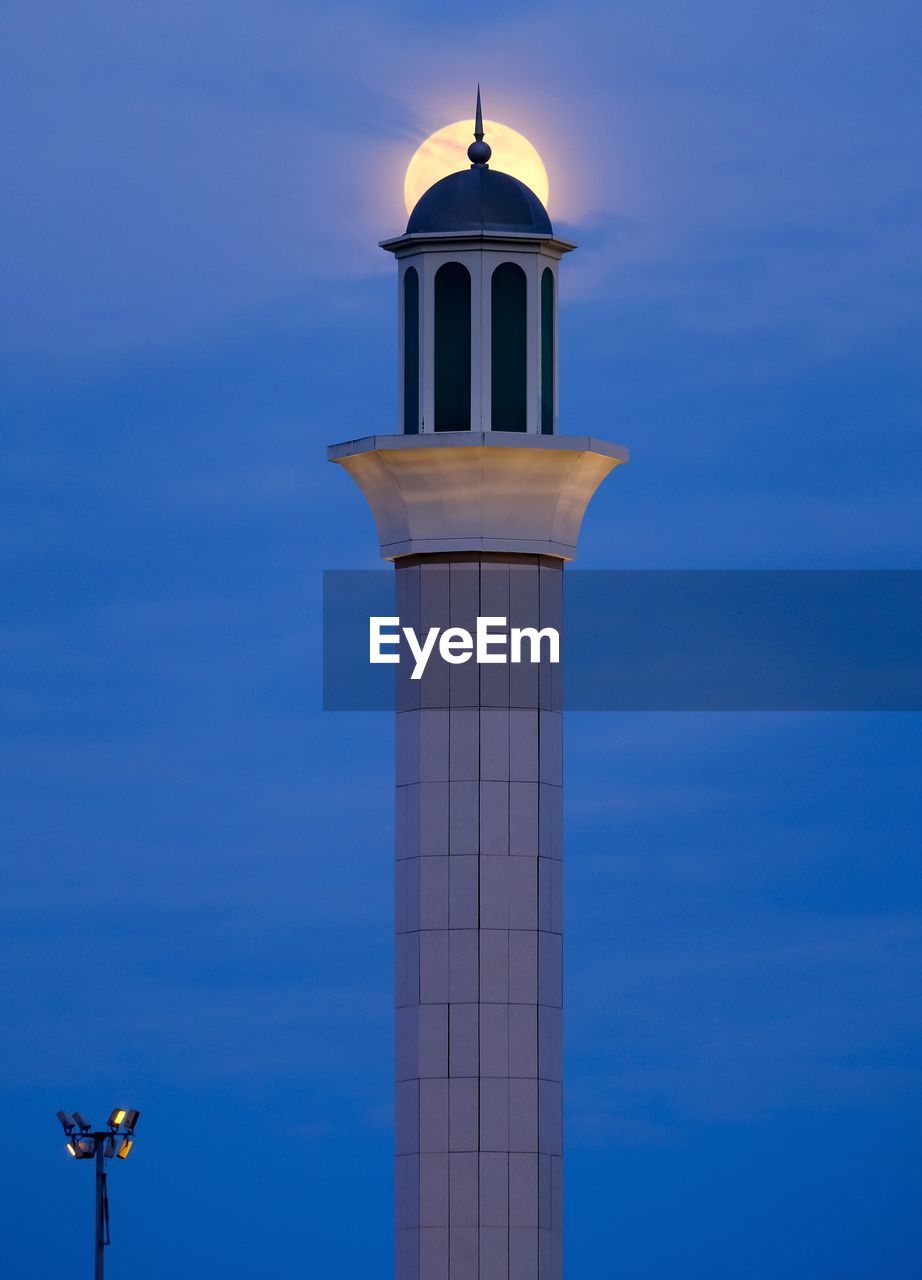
[(478, 502), (478, 332), (477, 307)]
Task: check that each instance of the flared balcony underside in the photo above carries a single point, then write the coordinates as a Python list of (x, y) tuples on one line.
[(478, 491)]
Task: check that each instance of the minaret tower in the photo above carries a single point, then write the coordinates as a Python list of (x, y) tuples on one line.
[(478, 502)]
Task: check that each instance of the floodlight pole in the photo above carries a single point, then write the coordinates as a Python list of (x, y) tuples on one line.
[(117, 1140), (101, 1205)]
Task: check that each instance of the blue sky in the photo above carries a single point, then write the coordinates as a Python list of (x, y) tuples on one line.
[(196, 865)]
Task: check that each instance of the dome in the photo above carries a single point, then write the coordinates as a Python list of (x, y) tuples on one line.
[(480, 199)]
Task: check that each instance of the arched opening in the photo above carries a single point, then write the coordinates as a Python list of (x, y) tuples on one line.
[(547, 352), (411, 351), (509, 303), (452, 348)]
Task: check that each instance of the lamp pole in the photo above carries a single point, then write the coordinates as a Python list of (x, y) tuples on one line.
[(84, 1142), (102, 1206)]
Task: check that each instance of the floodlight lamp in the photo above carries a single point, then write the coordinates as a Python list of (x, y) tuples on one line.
[(67, 1122), (110, 1146), (84, 1148), (82, 1123), (124, 1149), (72, 1149), (130, 1120), (116, 1118)]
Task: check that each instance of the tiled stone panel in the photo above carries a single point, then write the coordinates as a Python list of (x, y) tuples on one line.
[(479, 919)]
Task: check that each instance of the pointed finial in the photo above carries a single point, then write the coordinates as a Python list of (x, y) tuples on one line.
[(479, 151)]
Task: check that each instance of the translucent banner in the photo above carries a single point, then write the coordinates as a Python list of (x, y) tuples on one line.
[(644, 640)]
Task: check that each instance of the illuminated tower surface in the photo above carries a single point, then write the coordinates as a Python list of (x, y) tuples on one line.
[(478, 502)]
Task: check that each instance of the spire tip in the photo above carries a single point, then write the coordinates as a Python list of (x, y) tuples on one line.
[(479, 151)]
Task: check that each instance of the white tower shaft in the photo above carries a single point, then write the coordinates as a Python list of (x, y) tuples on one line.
[(479, 935)]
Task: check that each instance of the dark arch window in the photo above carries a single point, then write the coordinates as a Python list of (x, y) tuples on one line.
[(452, 348), (547, 352), (411, 351), (509, 341)]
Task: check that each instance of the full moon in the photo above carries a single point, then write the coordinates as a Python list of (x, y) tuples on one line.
[(445, 152)]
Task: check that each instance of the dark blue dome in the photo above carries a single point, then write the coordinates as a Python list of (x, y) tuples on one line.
[(480, 199)]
